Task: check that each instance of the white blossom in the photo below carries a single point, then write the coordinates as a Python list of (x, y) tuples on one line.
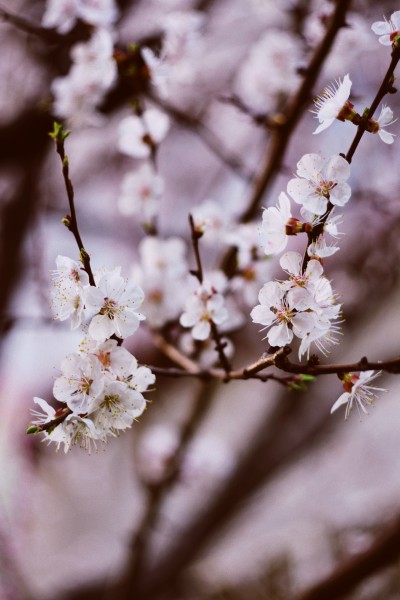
[(93, 73), (204, 306), (114, 302), (274, 226), (388, 31), (358, 392), (384, 120), (80, 383), (67, 295), (117, 407), (163, 275), (319, 181), (211, 219), (137, 135), (283, 311), (330, 104), (141, 193), (269, 70)]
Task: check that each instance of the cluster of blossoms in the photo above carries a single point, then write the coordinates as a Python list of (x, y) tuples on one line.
[(180, 44), (93, 73), (303, 306), (101, 386)]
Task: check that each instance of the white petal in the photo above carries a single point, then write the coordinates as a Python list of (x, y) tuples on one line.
[(310, 166), (338, 169), (344, 398)]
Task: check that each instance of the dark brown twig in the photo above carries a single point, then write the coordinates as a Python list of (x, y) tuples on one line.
[(71, 220)]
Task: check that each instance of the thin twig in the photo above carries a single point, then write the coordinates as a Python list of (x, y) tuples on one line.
[(71, 220)]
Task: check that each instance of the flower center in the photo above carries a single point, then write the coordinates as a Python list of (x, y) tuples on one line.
[(109, 308)]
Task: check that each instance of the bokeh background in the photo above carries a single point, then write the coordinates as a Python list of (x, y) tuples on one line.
[(274, 491)]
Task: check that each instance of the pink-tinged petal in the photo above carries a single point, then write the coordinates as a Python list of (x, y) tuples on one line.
[(310, 166), (280, 335), (338, 169), (343, 399), (340, 194), (300, 189), (201, 331)]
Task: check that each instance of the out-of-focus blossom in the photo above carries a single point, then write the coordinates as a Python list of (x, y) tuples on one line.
[(269, 71), (93, 73), (137, 136), (163, 275), (211, 219), (140, 194), (63, 14), (204, 306)]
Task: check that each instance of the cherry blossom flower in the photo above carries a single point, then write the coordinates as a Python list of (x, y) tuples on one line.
[(389, 31), (333, 103), (211, 219), (319, 181), (141, 193), (80, 383), (117, 407), (114, 302), (204, 306), (282, 310), (93, 73), (292, 262), (384, 120), (270, 70), (75, 431), (358, 392), (138, 135), (277, 223), (320, 249), (70, 281), (163, 275)]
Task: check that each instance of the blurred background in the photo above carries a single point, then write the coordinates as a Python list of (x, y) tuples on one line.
[(271, 491)]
